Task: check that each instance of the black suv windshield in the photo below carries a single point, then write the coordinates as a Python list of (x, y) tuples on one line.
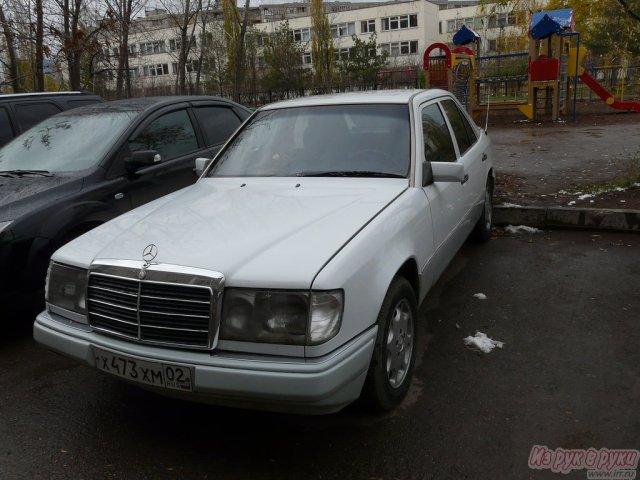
[(66, 142), (327, 140)]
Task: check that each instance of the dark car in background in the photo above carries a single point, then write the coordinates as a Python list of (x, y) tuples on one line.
[(21, 111), (81, 168)]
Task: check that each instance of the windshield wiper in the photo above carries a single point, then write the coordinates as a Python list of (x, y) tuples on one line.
[(349, 173), (20, 173)]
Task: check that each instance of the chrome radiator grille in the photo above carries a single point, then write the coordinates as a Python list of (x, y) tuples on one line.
[(152, 312)]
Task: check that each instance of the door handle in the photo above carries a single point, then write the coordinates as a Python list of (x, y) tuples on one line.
[(465, 179), (484, 157)]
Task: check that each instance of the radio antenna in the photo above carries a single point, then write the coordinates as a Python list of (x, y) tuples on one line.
[(486, 123)]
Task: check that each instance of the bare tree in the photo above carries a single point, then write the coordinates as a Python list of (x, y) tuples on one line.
[(123, 12), (11, 51)]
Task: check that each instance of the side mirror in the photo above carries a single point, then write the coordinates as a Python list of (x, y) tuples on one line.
[(201, 165), (427, 174), (447, 171), (142, 158)]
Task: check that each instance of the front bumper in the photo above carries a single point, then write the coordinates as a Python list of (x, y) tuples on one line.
[(312, 386)]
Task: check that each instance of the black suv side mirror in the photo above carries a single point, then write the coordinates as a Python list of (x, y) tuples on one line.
[(141, 158)]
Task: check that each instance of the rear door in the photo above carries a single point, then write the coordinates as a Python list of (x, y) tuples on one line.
[(217, 121), (470, 154)]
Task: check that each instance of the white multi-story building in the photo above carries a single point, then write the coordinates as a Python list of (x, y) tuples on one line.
[(498, 27), (403, 29)]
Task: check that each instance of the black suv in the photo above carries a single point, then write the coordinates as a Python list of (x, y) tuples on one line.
[(83, 167), (21, 111)]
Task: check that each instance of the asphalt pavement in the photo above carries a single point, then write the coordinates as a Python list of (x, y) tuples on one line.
[(565, 303)]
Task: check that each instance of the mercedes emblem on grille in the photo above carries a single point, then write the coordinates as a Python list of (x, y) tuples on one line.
[(149, 254)]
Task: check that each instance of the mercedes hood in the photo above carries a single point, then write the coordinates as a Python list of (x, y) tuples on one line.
[(257, 232)]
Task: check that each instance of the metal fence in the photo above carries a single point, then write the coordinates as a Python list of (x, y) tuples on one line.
[(622, 81), (502, 78)]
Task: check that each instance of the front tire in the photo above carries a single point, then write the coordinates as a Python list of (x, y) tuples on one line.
[(482, 230), (391, 368)]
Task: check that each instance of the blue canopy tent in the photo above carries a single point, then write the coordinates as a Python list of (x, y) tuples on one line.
[(545, 24), (465, 36)]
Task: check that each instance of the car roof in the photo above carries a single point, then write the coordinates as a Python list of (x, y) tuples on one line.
[(142, 104), (10, 96), (371, 97)]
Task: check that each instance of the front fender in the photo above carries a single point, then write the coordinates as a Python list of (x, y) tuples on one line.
[(367, 264)]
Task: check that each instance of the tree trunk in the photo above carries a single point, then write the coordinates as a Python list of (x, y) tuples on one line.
[(39, 84), (237, 77), (123, 82), (11, 50)]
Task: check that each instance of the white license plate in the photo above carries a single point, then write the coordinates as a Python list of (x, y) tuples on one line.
[(167, 375)]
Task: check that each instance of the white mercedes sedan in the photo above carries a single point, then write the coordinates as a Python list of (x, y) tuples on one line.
[(289, 276)]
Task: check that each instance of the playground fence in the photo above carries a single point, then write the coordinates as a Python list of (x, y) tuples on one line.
[(502, 78), (622, 81)]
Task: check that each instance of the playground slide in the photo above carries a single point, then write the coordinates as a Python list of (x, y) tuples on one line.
[(606, 96)]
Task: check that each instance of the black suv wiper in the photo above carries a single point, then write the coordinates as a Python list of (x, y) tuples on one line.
[(20, 173), (349, 173)]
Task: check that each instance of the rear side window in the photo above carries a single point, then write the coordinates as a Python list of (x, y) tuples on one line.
[(461, 128), (29, 114), (6, 129), (171, 135), (217, 123), (438, 146)]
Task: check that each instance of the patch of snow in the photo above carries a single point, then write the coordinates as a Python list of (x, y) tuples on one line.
[(510, 205), (480, 296), (521, 228), (586, 195), (572, 202), (563, 192), (482, 342), (618, 189)]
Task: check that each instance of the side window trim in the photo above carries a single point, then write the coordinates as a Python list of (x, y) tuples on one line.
[(436, 102), (450, 127), (159, 114)]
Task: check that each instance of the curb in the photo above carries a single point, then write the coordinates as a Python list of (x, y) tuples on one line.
[(558, 217)]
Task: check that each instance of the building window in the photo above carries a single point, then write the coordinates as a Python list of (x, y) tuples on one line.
[(395, 49), (134, 73), (400, 22), (155, 70), (174, 44), (342, 54), (451, 26), (493, 45), (302, 35), (343, 29), (306, 58), (367, 26), (150, 48), (478, 23)]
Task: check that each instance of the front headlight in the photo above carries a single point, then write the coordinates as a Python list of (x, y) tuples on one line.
[(285, 317), (66, 287)]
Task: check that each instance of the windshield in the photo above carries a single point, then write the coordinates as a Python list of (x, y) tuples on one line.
[(65, 143), (333, 140)]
